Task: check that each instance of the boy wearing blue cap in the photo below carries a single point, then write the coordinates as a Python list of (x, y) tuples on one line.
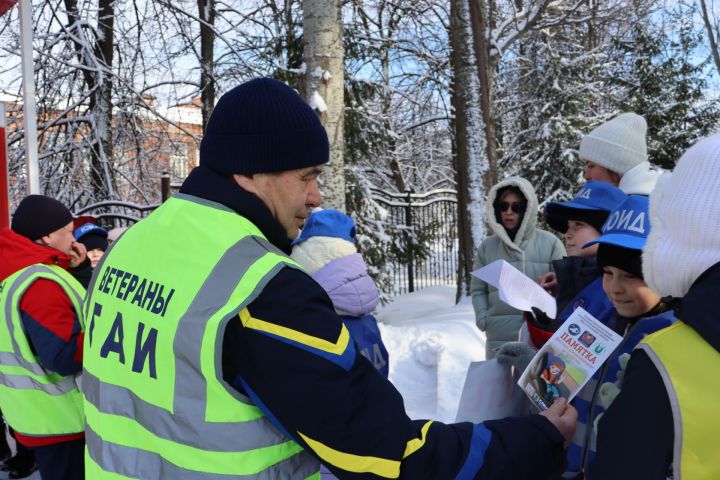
[(640, 312), (664, 422), (575, 278), (95, 240)]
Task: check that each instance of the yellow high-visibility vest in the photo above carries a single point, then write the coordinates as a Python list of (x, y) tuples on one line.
[(156, 404), (33, 400), (690, 369)]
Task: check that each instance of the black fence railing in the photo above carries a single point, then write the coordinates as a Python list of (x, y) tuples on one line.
[(424, 243), (427, 243), (115, 213)]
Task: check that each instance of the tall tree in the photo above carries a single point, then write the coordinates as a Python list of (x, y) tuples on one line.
[(206, 13), (324, 87), (712, 28), (471, 165), (95, 56)]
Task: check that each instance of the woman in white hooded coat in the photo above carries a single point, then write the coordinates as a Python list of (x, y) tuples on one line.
[(511, 210)]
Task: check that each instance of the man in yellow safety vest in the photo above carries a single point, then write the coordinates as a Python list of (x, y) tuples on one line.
[(211, 354)]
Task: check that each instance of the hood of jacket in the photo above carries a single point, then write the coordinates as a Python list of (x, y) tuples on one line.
[(529, 221), (641, 179), (349, 286), (18, 252)]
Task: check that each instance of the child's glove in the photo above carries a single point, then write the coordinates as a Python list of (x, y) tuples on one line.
[(515, 354), (609, 390), (540, 326)]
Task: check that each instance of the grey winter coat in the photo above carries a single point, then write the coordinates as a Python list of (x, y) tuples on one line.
[(532, 252)]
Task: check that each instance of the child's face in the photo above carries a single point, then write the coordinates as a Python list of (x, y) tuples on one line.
[(598, 173), (578, 234), (95, 255), (629, 294), (554, 369)]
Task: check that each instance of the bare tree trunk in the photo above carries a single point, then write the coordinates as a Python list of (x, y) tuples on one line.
[(324, 58), (712, 34), (206, 10), (104, 51), (485, 70), (471, 166), (97, 73)]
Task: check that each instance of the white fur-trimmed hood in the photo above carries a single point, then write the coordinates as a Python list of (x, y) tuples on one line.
[(641, 179), (529, 221)]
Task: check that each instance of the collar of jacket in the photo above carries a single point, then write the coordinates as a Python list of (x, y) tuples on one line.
[(573, 275), (700, 307), (622, 324), (208, 184)]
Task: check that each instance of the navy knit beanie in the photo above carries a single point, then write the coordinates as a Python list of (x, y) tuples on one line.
[(263, 126), (38, 215)]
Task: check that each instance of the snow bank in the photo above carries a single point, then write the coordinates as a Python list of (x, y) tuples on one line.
[(431, 342)]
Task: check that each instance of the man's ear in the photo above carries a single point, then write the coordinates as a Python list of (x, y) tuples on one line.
[(44, 240), (245, 181)]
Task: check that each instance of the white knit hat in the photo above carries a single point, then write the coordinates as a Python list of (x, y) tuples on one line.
[(617, 145), (685, 217)]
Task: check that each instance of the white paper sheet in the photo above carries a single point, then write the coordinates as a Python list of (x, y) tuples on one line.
[(490, 393), (516, 289)]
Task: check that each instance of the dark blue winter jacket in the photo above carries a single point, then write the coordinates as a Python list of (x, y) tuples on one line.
[(349, 407)]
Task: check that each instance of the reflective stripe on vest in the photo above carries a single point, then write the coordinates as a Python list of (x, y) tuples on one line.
[(690, 369), (24, 383), (157, 406)]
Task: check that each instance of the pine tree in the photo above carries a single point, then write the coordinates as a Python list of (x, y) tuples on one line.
[(558, 85), (665, 82)]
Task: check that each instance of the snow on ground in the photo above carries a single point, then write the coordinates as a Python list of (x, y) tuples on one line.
[(431, 342)]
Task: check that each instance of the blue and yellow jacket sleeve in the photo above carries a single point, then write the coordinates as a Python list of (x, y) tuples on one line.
[(293, 356)]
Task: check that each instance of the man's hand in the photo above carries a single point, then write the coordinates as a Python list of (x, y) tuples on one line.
[(549, 282), (78, 254), (564, 417)]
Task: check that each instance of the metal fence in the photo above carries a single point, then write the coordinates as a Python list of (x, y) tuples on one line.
[(114, 213), (424, 233), (427, 243)]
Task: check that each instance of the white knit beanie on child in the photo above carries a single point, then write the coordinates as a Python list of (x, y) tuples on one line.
[(618, 144), (684, 240), (316, 252)]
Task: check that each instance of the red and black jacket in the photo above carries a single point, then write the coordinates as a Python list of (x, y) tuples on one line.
[(48, 317)]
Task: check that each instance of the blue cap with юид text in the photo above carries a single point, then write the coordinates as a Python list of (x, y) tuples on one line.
[(628, 225)]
